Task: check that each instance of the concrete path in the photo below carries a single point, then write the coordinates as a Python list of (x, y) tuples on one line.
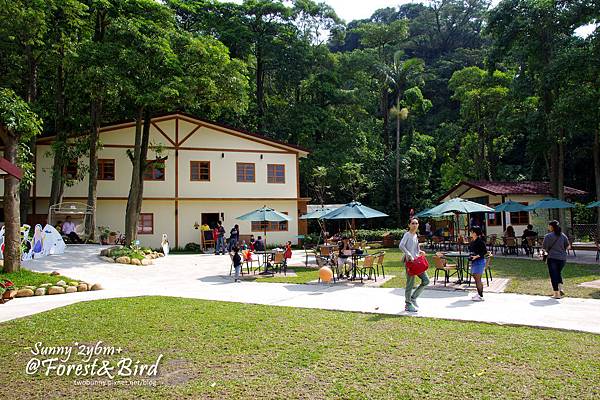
[(206, 277)]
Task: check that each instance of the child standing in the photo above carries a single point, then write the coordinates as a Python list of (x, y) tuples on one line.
[(237, 263)]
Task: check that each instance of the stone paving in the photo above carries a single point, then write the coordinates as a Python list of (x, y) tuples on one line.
[(206, 277)]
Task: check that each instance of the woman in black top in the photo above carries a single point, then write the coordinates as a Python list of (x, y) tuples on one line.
[(478, 251)]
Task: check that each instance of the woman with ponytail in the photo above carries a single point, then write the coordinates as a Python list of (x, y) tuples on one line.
[(555, 246)]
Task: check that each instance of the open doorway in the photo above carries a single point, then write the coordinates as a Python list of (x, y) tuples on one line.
[(210, 219)]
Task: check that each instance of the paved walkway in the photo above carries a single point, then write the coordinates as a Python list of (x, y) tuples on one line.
[(205, 277)]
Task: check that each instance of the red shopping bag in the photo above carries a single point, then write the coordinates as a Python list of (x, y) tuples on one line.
[(417, 266)]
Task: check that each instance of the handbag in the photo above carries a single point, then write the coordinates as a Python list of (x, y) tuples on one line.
[(417, 266), (545, 253)]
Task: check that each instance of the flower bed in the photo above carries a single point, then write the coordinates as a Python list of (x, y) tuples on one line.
[(133, 255), (9, 291)]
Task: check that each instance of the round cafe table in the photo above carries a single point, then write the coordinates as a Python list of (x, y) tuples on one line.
[(266, 256), (462, 262)]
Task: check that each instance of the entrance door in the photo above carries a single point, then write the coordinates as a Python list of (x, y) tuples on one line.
[(210, 219)]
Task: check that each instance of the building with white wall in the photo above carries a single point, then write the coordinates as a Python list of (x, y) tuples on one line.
[(212, 172)]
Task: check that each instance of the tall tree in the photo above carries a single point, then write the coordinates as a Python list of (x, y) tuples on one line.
[(18, 125)]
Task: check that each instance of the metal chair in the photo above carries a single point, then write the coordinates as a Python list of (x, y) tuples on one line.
[(308, 251), (367, 265), (242, 267), (280, 262), (441, 264), (379, 262)]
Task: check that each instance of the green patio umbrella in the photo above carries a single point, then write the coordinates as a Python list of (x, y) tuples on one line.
[(264, 214), (510, 206), (594, 204), (549, 203), (353, 210), (318, 215)]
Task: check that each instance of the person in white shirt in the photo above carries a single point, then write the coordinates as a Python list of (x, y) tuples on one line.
[(409, 245), (68, 229)]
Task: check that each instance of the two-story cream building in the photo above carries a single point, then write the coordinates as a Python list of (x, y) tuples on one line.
[(212, 172)]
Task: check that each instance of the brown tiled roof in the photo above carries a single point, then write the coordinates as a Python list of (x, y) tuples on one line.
[(506, 188)]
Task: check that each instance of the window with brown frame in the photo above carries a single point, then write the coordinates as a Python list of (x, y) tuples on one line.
[(275, 173), (259, 226), (70, 170), (200, 171), (519, 218), (146, 224), (245, 172), (494, 219), (106, 169), (155, 171)]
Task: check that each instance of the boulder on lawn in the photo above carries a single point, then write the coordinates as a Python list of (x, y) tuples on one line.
[(46, 285), (41, 291), (96, 286), (61, 283), (135, 261), (56, 290), (82, 287), (29, 287), (70, 289), (123, 260), (24, 292)]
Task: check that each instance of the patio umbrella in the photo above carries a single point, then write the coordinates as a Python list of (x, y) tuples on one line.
[(594, 204), (510, 206), (318, 215), (353, 210), (549, 203), (264, 214)]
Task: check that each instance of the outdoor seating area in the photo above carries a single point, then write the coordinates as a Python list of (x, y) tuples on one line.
[(350, 264)]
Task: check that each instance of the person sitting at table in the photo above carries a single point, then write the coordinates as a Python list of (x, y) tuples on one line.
[(509, 232), (478, 251), (259, 244), (251, 243), (68, 229), (344, 256), (527, 234)]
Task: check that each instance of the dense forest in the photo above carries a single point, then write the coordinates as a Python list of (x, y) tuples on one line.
[(395, 108)]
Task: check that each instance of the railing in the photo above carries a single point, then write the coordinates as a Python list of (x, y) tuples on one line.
[(584, 232)]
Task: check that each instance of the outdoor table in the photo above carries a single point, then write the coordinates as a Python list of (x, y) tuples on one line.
[(462, 266), (355, 258), (266, 260)]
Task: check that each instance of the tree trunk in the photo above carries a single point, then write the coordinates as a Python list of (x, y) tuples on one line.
[(596, 152), (131, 219), (143, 162), (386, 119), (60, 161), (560, 184), (398, 157), (260, 88), (90, 219), (12, 220)]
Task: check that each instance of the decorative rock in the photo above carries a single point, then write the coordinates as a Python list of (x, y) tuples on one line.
[(24, 293), (107, 259), (135, 261), (56, 290), (54, 273), (96, 286), (107, 252), (145, 261), (61, 283), (123, 260), (161, 254), (46, 285), (41, 291), (29, 287), (70, 289), (73, 283), (82, 287)]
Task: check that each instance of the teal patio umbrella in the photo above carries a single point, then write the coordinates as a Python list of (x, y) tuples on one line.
[(353, 210), (510, 206), (594, 204), (456, 206), (549, 203), (264, 214), (318, 215)]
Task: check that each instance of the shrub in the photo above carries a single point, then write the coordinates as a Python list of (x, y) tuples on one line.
[(195, 247), (376, 235)]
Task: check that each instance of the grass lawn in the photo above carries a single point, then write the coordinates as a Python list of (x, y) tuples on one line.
[(526, 275), (228, 350), (25, 277)]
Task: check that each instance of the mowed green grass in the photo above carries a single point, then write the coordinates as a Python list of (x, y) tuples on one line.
[(528, 276), (219, 350), (24, 277)]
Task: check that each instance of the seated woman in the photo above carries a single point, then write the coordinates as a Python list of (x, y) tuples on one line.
[(510, 231), (344, 256)]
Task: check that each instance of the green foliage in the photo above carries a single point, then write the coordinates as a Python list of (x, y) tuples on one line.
[(376, 235)]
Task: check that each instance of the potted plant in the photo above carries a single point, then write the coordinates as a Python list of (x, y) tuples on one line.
[(8, 290)]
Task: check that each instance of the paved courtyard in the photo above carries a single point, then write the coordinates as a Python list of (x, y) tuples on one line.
[(206, 277)]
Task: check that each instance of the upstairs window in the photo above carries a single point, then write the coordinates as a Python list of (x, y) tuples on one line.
[(275, 173), (106, 170), (200, 171), (155, 171), (245, 172)]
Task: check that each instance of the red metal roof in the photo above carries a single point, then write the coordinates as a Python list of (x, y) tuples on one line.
[(506, 188)]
